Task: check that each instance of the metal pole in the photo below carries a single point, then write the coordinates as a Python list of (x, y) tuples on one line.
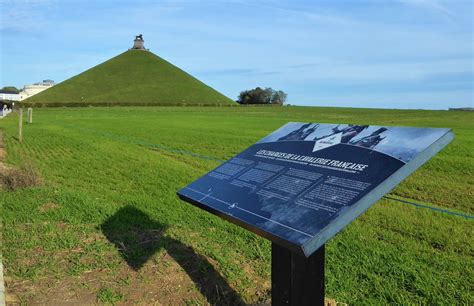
[(297, 280), (20, 125)]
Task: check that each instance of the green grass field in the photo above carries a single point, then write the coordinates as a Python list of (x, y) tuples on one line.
[(134, 77), (106, 225)]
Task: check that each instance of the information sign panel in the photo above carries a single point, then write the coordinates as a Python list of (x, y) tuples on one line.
[(302, 184)]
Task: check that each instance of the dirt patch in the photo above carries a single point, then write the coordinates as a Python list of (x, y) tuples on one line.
[(48, 207), (161, 281), (3, 155), (13, 178), (173, 275), (332, 302)]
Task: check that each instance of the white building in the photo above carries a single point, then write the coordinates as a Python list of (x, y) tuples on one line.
[(36, 88), (10, 97)]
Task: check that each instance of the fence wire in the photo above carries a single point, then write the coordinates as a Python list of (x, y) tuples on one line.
[(155, 146)]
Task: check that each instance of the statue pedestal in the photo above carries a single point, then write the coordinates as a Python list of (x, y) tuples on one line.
[(139, 44)]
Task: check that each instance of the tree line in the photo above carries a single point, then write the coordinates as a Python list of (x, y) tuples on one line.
[(9, 90), (262, 96)]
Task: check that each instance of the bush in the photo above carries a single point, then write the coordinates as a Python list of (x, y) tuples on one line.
[(262, 96), (26, 175)]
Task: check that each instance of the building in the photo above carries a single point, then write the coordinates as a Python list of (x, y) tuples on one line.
[(31, 90), (10, 97)]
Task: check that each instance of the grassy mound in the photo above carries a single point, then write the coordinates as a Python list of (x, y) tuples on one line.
[(134, 77)]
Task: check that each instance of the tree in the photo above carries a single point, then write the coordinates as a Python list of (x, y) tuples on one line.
[(279, 97), (9, 90), (262, 96)]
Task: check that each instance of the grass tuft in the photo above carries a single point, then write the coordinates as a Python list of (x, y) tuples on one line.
[(109, 296)]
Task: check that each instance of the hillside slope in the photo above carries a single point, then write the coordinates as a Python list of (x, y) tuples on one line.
[(133, 77)]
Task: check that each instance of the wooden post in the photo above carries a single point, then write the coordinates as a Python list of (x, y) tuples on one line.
[(20, 126), (30, 115), (297, 280)]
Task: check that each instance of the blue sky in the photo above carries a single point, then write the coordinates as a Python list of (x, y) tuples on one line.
[(389, 54)]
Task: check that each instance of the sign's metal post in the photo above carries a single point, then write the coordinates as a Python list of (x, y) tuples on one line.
[(297, 280)]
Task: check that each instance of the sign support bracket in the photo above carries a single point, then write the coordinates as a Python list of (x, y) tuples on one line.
[(297, 280)]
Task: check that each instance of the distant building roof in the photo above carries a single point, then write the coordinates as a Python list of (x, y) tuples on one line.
[(45, 83)]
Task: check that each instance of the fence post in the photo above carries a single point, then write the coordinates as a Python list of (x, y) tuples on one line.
[(20, 125), (30, 115)]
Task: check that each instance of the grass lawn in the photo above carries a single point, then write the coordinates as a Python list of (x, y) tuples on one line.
[(106, 226)]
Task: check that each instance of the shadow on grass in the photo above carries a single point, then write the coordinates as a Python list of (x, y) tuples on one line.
[(138, 237)]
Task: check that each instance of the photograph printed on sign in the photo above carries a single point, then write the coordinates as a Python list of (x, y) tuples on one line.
[(402, 143)]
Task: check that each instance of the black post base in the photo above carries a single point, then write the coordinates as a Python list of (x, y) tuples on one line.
[(297, 280)]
